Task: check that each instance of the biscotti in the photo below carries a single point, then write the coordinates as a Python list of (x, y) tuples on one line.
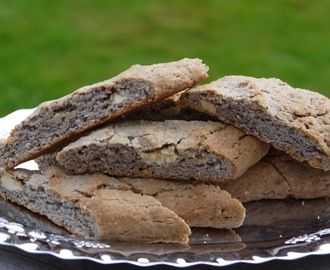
[(55, 122), (173, 149), (200, 205), (279, 176), (94, 207), (294, 120)]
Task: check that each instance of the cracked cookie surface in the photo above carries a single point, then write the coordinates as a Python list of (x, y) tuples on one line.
[(175, 149)]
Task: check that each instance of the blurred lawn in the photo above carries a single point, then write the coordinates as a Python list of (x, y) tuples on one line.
[(49, 48)]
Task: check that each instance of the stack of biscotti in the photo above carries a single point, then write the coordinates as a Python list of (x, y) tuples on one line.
[(95, 204), (151, 148), (265, 108), (55, 123)]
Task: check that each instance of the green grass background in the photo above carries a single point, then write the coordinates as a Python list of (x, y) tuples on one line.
[(48, 48)]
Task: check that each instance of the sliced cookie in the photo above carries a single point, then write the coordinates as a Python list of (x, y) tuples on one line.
[(94, 206), (200, 205), (294, 120), (173, 149)]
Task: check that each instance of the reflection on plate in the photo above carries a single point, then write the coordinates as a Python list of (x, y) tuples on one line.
[(287, 229)]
